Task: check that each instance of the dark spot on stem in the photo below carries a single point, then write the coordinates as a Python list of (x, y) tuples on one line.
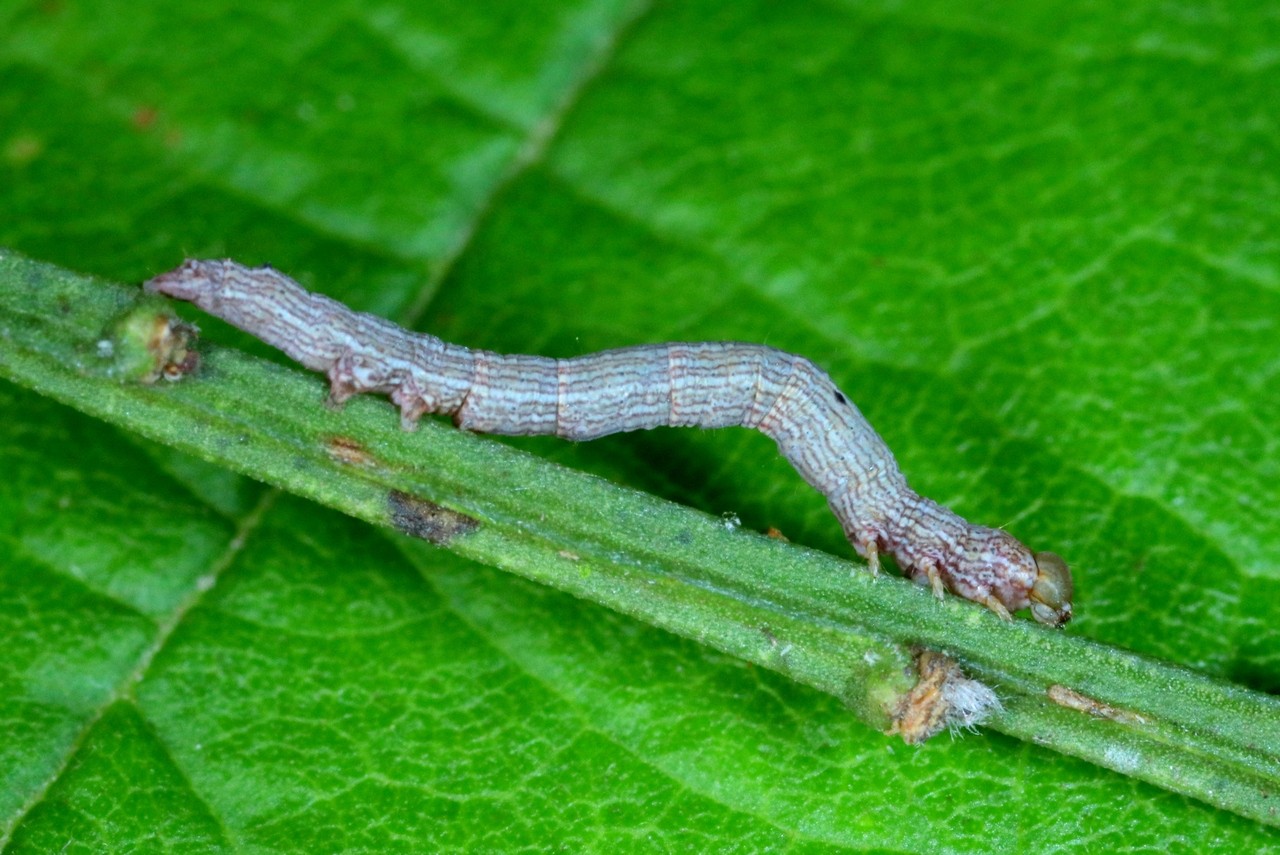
[(840, 398), (417, 517), (346, 450)]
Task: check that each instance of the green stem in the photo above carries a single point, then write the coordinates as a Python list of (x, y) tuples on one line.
[(818, 619)]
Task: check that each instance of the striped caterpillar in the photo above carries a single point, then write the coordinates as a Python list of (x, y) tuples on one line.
[(680, 384)]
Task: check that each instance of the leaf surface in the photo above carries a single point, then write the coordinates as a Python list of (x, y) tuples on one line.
[(1036, 247)]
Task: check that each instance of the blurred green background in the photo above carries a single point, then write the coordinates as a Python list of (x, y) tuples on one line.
[(1037, 243)]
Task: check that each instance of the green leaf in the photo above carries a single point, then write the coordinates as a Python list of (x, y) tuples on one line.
[(1039, 255)]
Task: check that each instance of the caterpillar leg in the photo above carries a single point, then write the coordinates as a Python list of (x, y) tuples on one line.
[(998, 607), (342, 384), (412, 403), (868, 548), (934, 576)]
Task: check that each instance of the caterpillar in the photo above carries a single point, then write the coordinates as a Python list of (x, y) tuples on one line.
[(817, 427)]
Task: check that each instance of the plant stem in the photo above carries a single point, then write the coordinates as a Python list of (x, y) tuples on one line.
[(821, 620)]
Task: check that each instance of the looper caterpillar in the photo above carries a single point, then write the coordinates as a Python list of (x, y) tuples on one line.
[(704, 384)]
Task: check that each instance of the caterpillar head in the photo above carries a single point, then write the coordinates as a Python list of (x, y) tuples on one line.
[(990, 566), (1052, 592)]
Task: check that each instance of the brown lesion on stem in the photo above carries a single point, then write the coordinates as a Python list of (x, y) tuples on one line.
[(943, 698), (1064, 696), (348, 451), (421, 518)]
